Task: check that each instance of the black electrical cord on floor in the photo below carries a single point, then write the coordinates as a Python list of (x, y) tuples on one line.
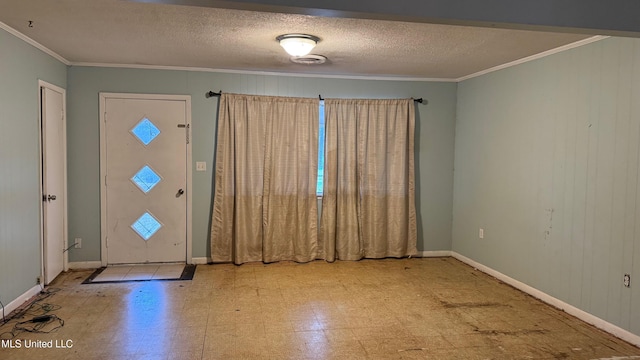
[(41, 321), (38, 325)]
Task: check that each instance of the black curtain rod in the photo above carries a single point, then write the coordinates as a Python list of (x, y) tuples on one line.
[(211, 94), (416, 100)]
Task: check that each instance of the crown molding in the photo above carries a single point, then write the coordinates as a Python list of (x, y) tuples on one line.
[(535, 57), (33, 43), (256, 72)]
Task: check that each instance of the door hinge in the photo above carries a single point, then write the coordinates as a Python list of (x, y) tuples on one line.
[(105, 116), (105, 180)]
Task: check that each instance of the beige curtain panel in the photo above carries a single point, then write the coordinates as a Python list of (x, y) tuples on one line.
[(265, 206), (368, 205)]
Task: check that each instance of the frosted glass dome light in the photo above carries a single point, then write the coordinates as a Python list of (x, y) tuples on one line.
[(298, 44)]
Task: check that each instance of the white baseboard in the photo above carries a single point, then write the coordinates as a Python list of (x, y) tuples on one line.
[(569, 309), (85, 265), (21, 299), (440, 253), (200, 260)]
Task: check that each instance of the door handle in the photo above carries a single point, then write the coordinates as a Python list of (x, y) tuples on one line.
[(51, 197), (180, 192)]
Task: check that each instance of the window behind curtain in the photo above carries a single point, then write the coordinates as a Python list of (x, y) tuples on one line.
[(320, 182)]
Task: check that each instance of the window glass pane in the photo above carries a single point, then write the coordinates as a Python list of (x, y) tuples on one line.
[(320, 182), (145, 131), (146, 179), (146, 226)]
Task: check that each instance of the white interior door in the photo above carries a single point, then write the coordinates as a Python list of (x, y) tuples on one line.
[(145, 183), (53, 181)]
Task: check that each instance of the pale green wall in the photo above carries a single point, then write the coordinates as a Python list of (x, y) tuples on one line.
[(21, 66), (546, 161), (436, 123)]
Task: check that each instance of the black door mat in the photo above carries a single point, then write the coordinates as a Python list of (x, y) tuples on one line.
[(136, 273)]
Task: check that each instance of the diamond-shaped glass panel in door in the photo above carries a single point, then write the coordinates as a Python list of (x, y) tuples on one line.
[(145, 131), (146, 179), (146, 226)]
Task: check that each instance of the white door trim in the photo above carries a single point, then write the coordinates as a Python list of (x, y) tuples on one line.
[(103, 165), (65, 259)]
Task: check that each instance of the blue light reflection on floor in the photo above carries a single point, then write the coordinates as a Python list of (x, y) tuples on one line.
[(146, 314)]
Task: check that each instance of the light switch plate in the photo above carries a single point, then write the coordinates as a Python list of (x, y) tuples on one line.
[(201, 166)]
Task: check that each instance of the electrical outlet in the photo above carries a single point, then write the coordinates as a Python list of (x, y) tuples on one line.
[(78, 243), (626, 280), (481, 233), (38, 280)]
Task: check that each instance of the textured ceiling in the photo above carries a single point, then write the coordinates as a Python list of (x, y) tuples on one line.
[(121, 32)]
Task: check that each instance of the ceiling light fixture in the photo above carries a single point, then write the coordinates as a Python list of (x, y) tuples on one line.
[(309, 59), (298, 44)]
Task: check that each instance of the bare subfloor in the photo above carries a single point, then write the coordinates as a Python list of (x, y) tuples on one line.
[(372, 309)]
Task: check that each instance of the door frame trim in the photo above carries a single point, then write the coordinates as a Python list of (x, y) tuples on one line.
[(103, 166), (65, 257)]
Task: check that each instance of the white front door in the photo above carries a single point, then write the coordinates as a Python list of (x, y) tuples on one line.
[(53, 180), (145, 143)]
